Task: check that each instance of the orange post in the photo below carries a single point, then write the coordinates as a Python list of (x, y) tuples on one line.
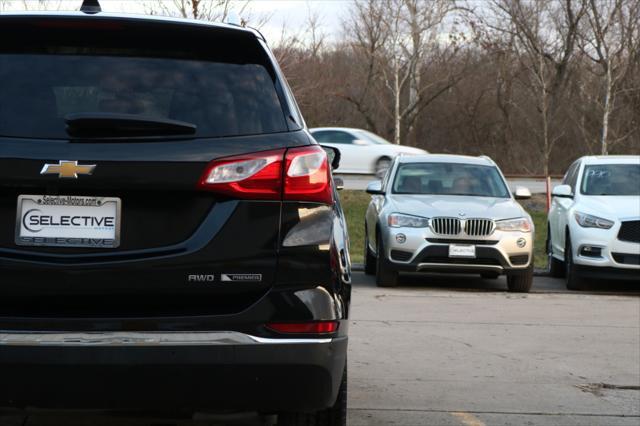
[(548, 193)]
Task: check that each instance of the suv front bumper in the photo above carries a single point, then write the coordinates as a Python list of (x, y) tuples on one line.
[(617, 258), (426, 251), (169, 371)]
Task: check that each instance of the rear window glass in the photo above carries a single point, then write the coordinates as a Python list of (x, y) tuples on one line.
[(221, 99)]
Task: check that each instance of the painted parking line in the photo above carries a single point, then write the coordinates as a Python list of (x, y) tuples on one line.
[(468, 419)]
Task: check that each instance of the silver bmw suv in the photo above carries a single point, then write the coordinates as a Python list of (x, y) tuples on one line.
[(450, 214)]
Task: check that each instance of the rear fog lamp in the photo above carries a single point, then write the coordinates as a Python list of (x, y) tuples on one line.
[(315, 327)]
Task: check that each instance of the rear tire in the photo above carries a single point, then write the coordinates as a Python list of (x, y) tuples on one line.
[(556, 267), (386, 276), (333, 416), (572, 279), (369, 258), (521, 282)]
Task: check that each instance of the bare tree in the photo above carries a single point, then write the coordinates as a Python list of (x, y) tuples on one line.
[(368, 35), (610, 37), (299, 55), (30, 5), (311, 40), (544, 42), (398, 39), (207, 10)]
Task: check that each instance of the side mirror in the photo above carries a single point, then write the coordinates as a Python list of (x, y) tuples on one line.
[(333, 155), (562, 191), (522, 193), (375, 188), (339, 182)]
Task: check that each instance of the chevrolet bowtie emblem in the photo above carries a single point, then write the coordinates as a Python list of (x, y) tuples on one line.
[(67, 169)]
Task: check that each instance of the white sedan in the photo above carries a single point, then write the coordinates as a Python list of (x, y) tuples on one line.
[(360, 150), (594, 221)]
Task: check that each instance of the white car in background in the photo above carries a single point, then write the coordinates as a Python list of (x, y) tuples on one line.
[(360, 150), (594, 221)]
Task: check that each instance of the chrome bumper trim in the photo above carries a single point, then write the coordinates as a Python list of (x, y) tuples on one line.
[(462, 267), (117, 338)]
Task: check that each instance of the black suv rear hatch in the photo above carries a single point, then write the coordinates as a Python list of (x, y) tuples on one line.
[(173, 243)]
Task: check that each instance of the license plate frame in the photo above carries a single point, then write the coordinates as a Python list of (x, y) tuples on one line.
[(465, 251), (70, 232)]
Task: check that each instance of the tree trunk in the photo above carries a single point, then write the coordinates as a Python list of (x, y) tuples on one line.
[(544, 115), (397, 118), (607, 112)]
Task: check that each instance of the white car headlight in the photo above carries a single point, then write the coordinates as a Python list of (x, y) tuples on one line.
[(399, 220), (590, 221), (520, 224)]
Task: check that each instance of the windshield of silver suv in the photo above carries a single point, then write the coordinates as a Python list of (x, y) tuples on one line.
[(611, 179), (449, 179)]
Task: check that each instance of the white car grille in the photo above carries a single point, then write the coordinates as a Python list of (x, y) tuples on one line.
[(455, 226)]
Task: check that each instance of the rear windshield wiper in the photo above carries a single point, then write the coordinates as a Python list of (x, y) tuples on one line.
[(110, 125)]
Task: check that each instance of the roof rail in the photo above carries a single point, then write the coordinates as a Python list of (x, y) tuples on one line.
[(486, 157), (90, 6)]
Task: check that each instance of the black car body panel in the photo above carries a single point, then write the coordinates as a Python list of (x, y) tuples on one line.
[(266, 378), (190, 260)]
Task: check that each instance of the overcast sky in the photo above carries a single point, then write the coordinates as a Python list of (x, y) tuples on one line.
[(290, 13), (293, 15)]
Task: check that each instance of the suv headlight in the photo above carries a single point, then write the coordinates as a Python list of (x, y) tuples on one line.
[(398, 220), (521, 224), (590, 221)]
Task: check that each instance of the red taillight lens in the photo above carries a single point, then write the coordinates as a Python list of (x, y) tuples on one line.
[(259, 176), (307, 175), (315, 327), (255, 176)]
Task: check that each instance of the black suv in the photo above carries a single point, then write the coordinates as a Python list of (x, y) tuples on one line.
[(170, 234)]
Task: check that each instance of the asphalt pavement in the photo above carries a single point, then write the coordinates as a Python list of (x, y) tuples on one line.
[(442, 350), (461, 351)]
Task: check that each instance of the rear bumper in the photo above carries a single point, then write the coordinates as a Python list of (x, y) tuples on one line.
[(169, 371)]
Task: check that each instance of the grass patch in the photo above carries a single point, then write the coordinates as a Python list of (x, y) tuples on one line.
[(539, 246), (354, 204)]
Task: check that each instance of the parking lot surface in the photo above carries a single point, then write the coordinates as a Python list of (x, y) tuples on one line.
[(442, 350)]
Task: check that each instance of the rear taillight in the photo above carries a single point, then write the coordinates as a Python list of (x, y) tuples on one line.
[(314, 327), (300, 174), (307, 175), (255, 176)]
